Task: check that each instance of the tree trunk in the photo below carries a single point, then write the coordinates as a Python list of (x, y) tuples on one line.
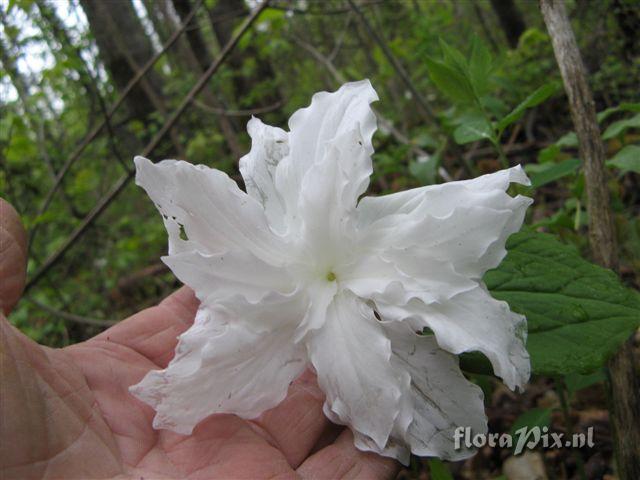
[(196, 42), (511, 20), (223, 19), (624, 382), (124, 47)]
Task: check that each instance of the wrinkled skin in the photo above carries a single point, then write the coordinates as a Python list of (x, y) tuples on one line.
[(67, 413)]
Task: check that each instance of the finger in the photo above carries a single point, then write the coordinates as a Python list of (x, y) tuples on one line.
[(13, 257), (343, 460), (154, 332), (297, 423)]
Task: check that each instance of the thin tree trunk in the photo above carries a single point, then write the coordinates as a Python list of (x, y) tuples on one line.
[(196, 55), (624, 382), (511, 20), (195, 39), (108, 32)]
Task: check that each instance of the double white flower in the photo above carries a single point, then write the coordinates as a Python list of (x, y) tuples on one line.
[(298, 272)]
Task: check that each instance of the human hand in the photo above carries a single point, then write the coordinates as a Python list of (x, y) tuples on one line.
[(67, 413)]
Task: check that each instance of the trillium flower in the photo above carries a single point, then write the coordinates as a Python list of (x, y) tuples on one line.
[(299, 272)]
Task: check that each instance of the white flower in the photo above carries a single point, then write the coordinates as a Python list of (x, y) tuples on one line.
[(297, 271)]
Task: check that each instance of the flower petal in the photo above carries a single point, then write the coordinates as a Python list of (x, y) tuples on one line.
[(222, 366), (466, 223), (269, 145), (351, 355), (218, 276), (440, 398), (443, 399), (330, 116), (396, 276), (214, 213), (321, 295), (472, 321), (328, 198)]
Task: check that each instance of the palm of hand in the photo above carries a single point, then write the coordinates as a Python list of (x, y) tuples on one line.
[(83, 423)]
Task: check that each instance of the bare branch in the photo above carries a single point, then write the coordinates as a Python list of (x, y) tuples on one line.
[(122, 182), (386, 123), (94, 133), (402, 73), (237, 113), (72, 317)]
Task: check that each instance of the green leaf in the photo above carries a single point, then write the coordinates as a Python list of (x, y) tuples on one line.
[(568, 140), (450, 81), (627, 159), (453, 58), (575, 381), (480, 65), (425, 170), (550, 172), (578, 313), (473, 128), (621, 126), (536, 98), (475, 362), (438, 470), (623, 107), (536, 417)]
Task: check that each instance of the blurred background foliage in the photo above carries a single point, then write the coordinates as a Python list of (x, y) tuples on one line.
[(466, 87)]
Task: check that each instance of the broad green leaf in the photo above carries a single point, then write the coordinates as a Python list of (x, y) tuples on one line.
[(550, 172), (621, 126), (575, 381), (475, 362), (627, 159), (536, 417), (438, 470), (471, 129), (623, 107), (568, 140), (578, 314), (548, 154), (536, 98), (450, 81)]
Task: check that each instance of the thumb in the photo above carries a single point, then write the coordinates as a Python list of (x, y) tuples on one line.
[(13, 257)]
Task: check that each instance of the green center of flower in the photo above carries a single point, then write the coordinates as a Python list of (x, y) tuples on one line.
[(331, 277)]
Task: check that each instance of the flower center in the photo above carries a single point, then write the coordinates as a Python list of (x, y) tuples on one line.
[(331, 277)]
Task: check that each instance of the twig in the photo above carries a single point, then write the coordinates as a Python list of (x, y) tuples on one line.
[(237, 113), (623, 380), (94, 133), (122, 182), (72, 317), (309, 11), (422, 102), (387, 124)]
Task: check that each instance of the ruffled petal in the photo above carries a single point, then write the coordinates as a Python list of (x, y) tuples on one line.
[(218, 276), (351, 355), (312, 129), (213, 212), (466, 223), (396, 276), (320, 296), (471, 321), (269, 145), (440, 400), (328, 198), (222, 366)]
